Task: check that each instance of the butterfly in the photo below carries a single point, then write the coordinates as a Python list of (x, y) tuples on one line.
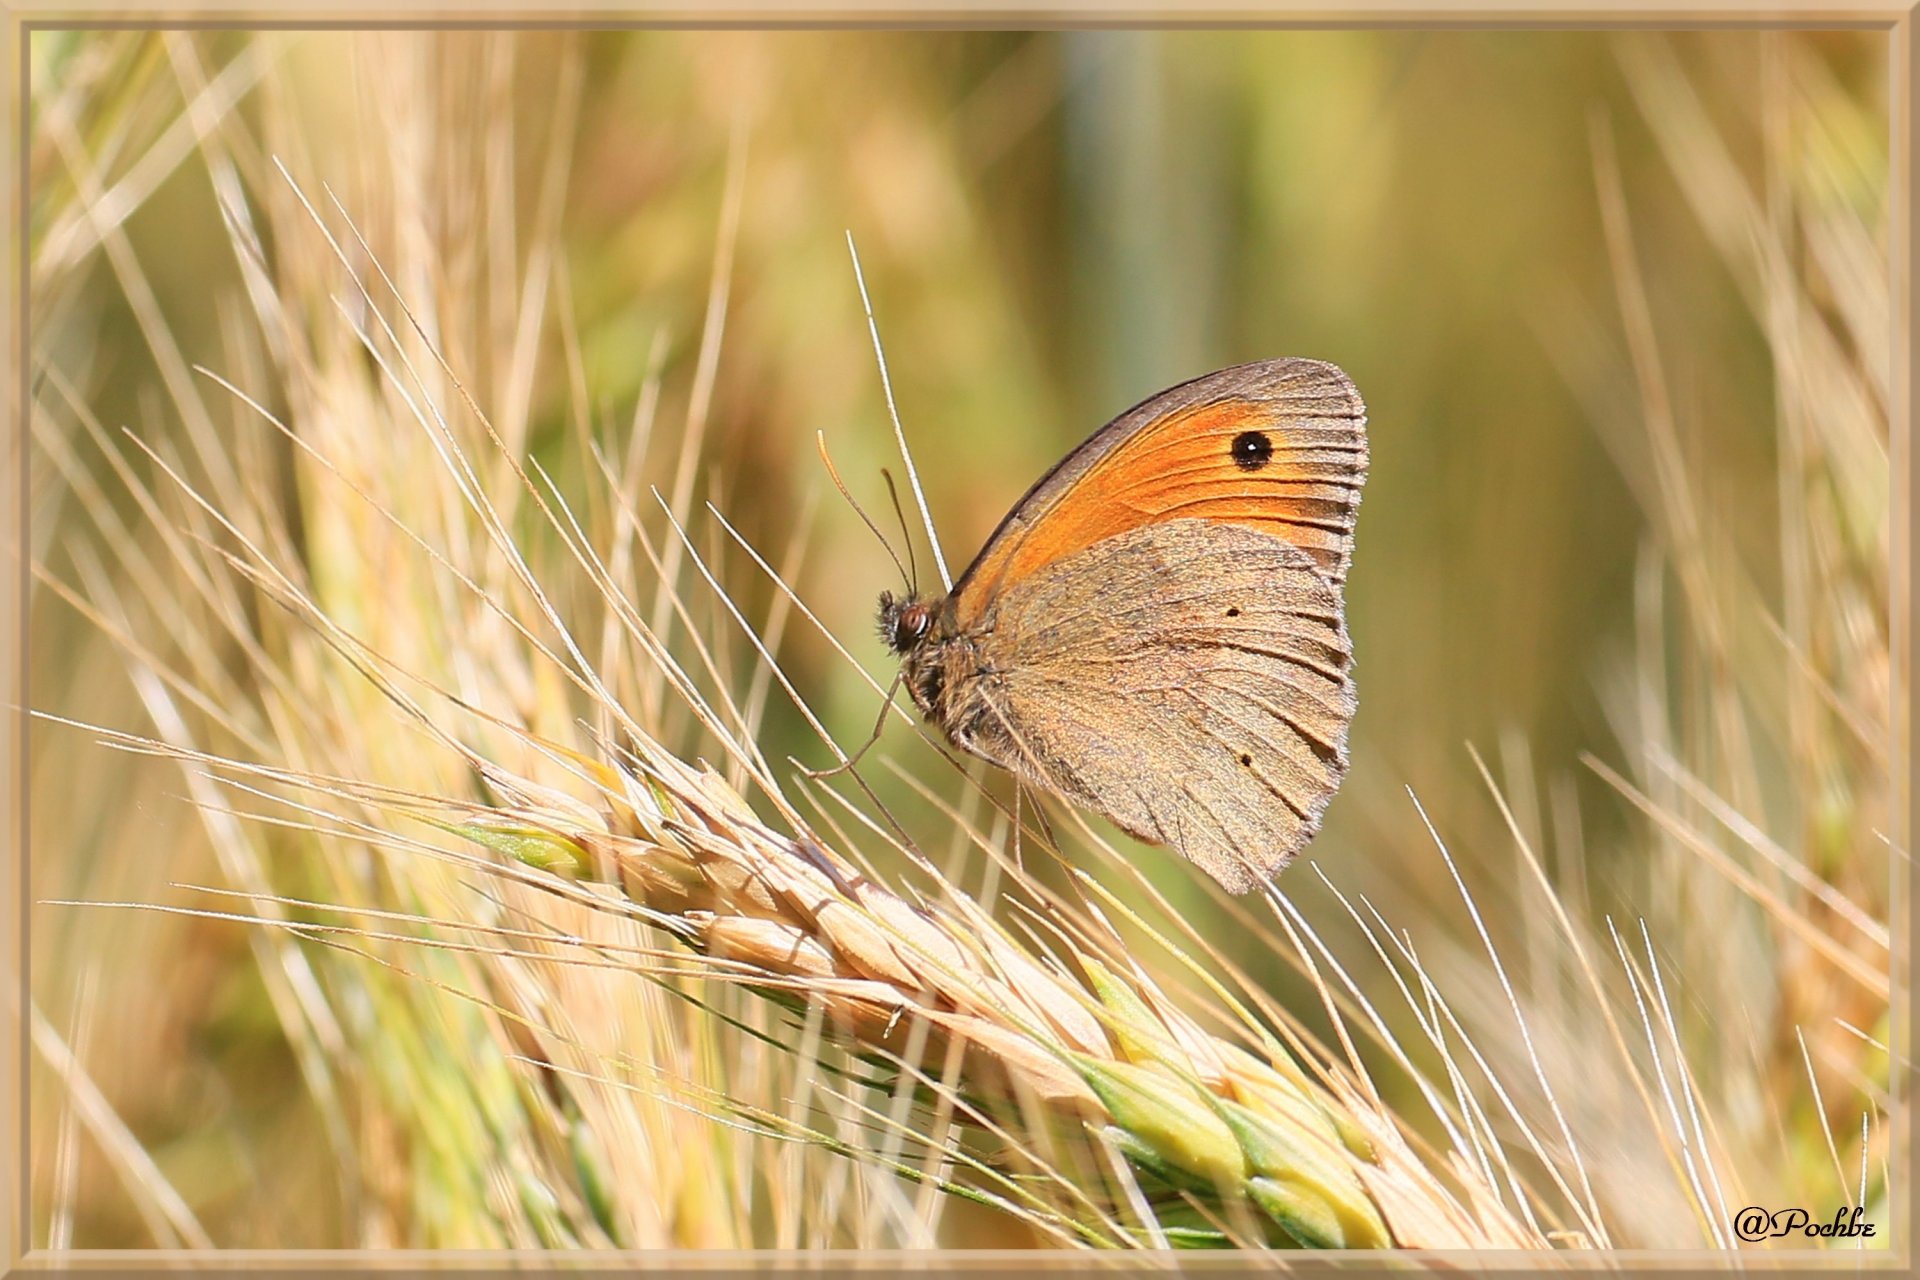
[(1157, 631)]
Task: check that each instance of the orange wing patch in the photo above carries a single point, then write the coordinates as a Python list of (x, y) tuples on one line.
[(1230, 460), (1226, 464)]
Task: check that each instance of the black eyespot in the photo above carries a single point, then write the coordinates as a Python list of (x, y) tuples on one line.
[(1234, 612), (1247, 760), (1252, 450)]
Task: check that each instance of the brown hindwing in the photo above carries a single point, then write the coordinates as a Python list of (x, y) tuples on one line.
[(1190, 679)]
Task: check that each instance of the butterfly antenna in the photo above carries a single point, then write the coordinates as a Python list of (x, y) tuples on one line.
[(841, 485), (878, 726), (899, 434), (906, 534)]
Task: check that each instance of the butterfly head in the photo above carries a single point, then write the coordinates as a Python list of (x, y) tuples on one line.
[(904, 622)]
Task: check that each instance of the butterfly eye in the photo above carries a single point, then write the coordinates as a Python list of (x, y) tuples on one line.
[(903, 623), (1252, 450)]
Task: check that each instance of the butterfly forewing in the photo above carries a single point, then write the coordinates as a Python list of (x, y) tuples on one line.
[(1278, 446)]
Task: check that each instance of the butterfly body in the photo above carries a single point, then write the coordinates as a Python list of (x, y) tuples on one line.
[(1156, 630)]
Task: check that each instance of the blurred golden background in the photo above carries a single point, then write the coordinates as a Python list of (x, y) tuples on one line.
[(1052, 226)]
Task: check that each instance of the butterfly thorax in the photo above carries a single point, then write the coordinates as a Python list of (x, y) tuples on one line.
[(945, 672)]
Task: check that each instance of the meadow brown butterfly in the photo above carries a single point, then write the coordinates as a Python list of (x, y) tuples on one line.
[(1156, 631)]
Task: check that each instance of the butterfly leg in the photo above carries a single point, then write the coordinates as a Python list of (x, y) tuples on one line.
[(1019, 856), (1025, 765), (879, 726)]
